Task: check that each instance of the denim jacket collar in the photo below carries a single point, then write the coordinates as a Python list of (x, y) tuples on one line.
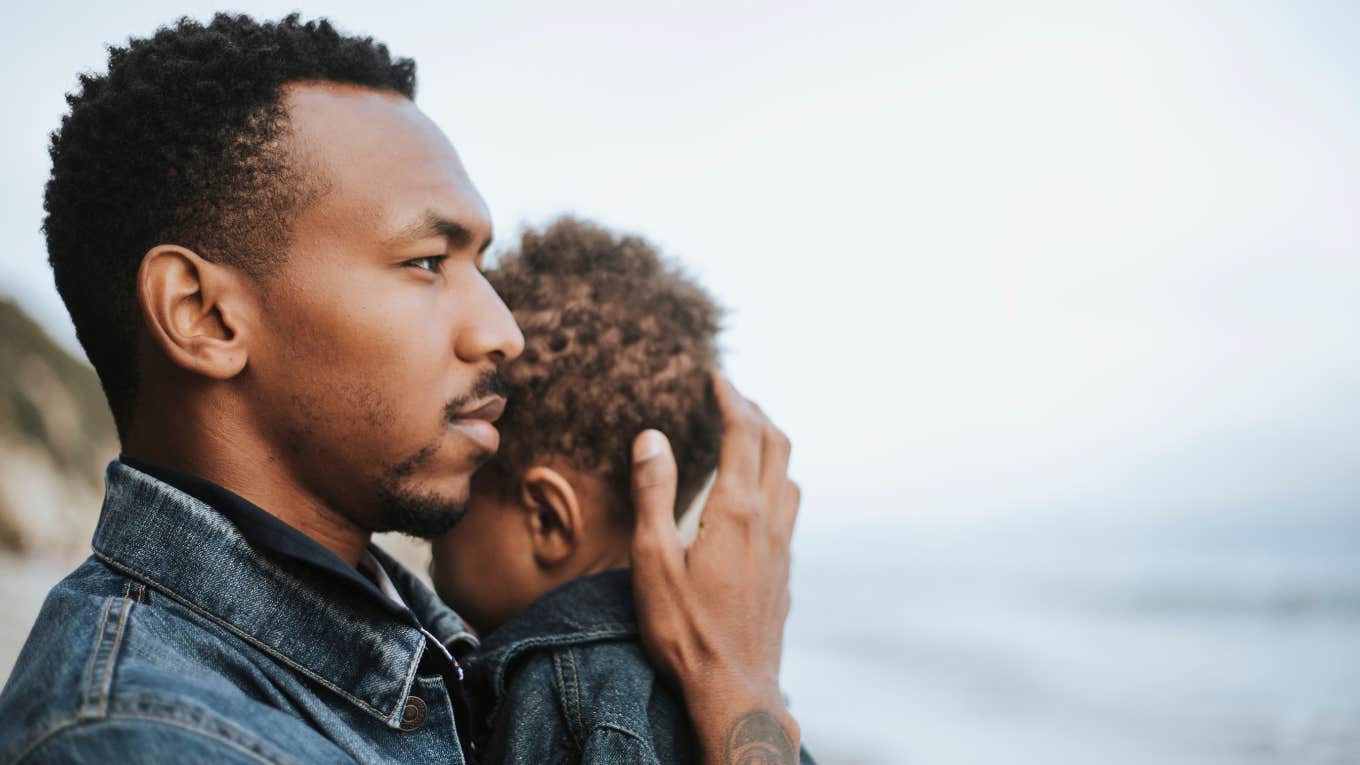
[(584, 610), (302, 615)]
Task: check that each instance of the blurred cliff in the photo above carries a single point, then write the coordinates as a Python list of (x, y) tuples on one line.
[(56, 436)]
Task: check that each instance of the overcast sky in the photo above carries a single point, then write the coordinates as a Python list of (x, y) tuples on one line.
[(1087, 258)]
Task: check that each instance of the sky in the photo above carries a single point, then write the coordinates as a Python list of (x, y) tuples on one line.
[(982, 259)]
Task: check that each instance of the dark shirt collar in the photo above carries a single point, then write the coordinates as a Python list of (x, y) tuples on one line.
[(271, 585), (585, 610), (265, 531)]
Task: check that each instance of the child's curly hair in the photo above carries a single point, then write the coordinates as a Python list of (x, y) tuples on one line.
[(616, 341)]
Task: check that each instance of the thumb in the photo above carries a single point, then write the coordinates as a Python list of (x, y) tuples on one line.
[(655, 537)]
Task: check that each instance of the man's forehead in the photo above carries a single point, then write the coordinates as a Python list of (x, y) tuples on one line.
[(382, 154)]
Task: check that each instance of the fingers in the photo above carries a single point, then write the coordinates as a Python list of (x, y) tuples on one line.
[(775, 448), (754, 461), (786, 511), (656, 540), (739, 455), (782, 608)]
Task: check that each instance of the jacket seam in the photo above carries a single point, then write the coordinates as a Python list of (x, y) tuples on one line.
[(625, 730), (498, 658), (568, 708), (620, 722), (106, 682), (94, 655), (267, 649), (99, 672), (576, 685), (73, 724), (462, 636), (643, 741)]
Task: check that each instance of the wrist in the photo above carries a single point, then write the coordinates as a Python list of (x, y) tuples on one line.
[(724, 689), (722, 703)]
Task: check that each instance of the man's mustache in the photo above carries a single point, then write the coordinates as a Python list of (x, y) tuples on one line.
[(489, 384)]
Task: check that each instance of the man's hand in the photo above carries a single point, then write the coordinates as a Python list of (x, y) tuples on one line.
[(713, 615)]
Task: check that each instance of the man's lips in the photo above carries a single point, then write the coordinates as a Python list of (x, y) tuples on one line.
[(489, 409), (475, 422)]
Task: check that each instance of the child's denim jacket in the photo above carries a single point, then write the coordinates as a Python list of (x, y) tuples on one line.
[(567, 681)]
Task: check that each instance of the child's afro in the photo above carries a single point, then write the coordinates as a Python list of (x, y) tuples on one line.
[(616, 341)]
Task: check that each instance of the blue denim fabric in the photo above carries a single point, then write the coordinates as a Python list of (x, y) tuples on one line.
[(567, 681), (179, 641)]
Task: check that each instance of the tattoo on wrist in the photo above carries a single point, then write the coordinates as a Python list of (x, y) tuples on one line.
[(756, 738)]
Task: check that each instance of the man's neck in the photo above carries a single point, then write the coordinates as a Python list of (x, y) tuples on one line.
[(239, 465)]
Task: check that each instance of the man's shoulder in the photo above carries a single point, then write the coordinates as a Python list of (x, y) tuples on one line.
[(54, 673), (112, 663)]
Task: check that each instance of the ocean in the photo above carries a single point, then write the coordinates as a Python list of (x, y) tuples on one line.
[(1175, 641)]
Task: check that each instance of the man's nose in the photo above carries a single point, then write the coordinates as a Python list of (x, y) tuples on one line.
[(490, 329)]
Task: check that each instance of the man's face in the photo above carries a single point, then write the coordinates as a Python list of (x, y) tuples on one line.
[(374, 377)]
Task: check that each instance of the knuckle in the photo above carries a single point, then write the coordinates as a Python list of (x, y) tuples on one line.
[(747, 498), (744, 417), (673, 574), (781, 440), (753, 419), (736, 409), (648, 544), (746, 505), (725, 490)]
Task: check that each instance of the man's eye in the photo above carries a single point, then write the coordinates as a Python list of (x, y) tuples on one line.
[(434, 263)]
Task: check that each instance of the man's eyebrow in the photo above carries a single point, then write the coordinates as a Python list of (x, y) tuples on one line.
[(432, 225)]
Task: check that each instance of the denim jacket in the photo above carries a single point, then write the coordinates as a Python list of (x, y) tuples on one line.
[(181, 641), (567, 681)]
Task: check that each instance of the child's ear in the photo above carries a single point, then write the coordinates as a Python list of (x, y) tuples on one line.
[(553, 515)]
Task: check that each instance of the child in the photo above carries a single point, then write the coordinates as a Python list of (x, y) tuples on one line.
[(616, 342)]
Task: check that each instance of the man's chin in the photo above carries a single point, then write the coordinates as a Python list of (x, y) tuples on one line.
[(420, 513)]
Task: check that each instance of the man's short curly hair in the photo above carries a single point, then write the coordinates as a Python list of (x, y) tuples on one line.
[(616, 341), (181, 142)]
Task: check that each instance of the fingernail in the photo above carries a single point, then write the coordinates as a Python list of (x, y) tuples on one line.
[(648, 445)]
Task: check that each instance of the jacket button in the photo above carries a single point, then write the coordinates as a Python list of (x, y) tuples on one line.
[(414, 713)]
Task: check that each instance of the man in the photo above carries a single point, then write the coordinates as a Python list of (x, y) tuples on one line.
[(272, 258)]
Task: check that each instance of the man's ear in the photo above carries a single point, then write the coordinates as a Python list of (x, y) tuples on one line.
[(194, 310), (553, 515)]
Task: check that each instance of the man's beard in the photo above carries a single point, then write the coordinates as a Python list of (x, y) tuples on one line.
[(420, 514), (427, 514)]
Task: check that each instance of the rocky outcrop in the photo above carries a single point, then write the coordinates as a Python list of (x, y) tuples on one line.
[(56, 436)]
